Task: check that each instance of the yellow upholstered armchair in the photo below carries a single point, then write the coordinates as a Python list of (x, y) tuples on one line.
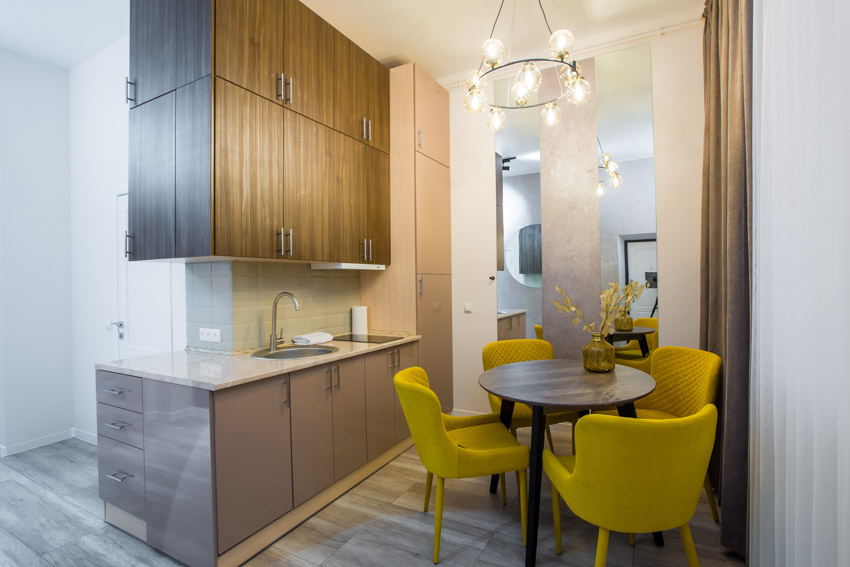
[(538, 331), (634, 475), (630, 354), (521, 350), (457, 447)]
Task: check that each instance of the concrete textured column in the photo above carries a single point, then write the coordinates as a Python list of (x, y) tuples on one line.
[(568, 177)]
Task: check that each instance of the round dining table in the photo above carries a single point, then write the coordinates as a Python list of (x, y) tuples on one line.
[(638, 333), (558, 385)]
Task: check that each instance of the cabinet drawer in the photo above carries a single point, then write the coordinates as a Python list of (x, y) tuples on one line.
[(119, 390), (121, 475), (120, 424)]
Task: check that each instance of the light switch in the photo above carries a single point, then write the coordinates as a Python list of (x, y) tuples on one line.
[(467, 308)]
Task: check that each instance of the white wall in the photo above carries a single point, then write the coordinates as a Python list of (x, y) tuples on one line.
[(35, 304), (473, 250), (677, 112)]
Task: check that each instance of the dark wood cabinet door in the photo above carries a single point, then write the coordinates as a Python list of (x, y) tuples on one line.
[(308, 182), (379, 101), (249, 44), (153, 32), (377, 170), (349, 416), (308, 63), (248, 173), (193, 206), (151, 179), (352, 86), (312, 432), (194, 40), (350, 239), (253, 464)]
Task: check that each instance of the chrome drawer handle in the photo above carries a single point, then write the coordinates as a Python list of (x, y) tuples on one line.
[(120, 476), (115, 391), (119, 425)]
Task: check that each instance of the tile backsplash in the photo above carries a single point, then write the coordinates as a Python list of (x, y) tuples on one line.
[(236, 297)]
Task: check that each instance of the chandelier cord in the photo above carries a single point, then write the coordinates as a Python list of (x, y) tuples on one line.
[(545, 19), (493, 29), (600, 145)]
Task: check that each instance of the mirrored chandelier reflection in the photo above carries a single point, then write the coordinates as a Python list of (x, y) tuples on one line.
[(611, 167), (573, 86)]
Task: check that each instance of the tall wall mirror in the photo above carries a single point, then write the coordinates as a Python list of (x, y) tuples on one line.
[(623, 91)]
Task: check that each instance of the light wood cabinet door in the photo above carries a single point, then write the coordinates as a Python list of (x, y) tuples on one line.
[(350, 201), (312, 432), (431, 117), (378, 127), (433, 217), (248, 173), (349, 416), (249, 44), (434, 323), (253, 464), (308, 183), (351, 88), (408, 357), (377, 206), (308, 63)]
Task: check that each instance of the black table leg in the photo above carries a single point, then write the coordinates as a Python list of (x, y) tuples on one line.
[(506, 414), (535, 479), (644, 346), (628, 410)]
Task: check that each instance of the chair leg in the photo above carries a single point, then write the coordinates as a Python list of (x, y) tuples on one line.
[(504, 490), (602, 547), (688, 542), (632, 539), (429, 478), (438, 518), (556, 515), (709, 493), (549, 437), (523, 504)]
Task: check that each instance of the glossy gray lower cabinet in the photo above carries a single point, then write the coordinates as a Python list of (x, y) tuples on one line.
[(121, 475), (179, 472)]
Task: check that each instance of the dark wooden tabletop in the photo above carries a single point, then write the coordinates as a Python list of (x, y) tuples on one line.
[(565, 384), (629, 335)]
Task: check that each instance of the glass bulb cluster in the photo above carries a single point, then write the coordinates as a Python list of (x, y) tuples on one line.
[(610, 166), (527, 81)]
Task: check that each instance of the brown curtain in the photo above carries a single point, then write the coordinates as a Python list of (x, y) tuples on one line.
[(726, 258)]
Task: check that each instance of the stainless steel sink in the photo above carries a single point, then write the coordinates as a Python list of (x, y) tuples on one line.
[(294, 351)]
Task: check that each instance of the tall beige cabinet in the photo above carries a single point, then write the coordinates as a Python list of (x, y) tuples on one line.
[(414, 294)]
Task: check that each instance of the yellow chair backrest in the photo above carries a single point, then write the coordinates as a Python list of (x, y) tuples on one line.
[(516, 350), (640, 475), (538, 331), (686, 380), (651, 339), (425, 419)]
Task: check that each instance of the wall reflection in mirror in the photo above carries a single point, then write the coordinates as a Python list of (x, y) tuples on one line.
[(623, 91)]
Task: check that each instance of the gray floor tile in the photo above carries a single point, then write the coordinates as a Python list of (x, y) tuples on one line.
[(108, 547), (14, 553), (87, 499), (365, 550), (63, 467), (273, 557)]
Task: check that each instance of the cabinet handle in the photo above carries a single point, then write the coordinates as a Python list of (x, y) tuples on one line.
[(365, 254), (421, 286), (285, 387), (127, 237), (127, 83), (370, 249), (119, 425), (289, 84), (420, 138), (398, 358), (392, 361), (120, 476), (115, 391), (370, 130), (329, 372), (364, 127), (279, 92), (338, 381)]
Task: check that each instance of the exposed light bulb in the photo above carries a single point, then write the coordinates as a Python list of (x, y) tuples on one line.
[(615, 180), (496, 119), (560, 44), (519, 94), (492, 52), (475, 100), (612, 166), (606, 157), (550, 114), (579, 91), (530, 76), (600, 189), (475, 80)]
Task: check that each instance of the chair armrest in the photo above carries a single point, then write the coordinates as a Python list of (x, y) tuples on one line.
[(456, 421)]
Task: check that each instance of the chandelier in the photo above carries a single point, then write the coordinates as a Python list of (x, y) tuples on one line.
[(610, 166), (573, 86)]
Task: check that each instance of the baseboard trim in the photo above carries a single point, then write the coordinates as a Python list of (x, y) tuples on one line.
[(84, 436), (6, 450)]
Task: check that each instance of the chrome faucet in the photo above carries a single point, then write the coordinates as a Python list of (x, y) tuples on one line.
[(273, 338)]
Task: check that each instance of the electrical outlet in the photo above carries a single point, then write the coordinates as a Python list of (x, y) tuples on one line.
[(210, 335)]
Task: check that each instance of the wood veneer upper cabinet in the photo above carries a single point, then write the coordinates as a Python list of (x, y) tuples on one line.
[(309, 182), (433, 217), (193, 136), (379, 114), (253, 464), (249, 44), (312, 432), (378, 235), (350, 200), (151, 182), (248, 173), (308, 63), (431, 104)]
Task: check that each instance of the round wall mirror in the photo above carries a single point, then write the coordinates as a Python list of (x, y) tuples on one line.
[(524, 256)]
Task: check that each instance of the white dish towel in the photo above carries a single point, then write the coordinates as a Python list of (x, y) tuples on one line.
[(312, 338)]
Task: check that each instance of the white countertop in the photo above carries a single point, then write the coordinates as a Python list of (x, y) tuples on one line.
[(509, 312), (211, 371)]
